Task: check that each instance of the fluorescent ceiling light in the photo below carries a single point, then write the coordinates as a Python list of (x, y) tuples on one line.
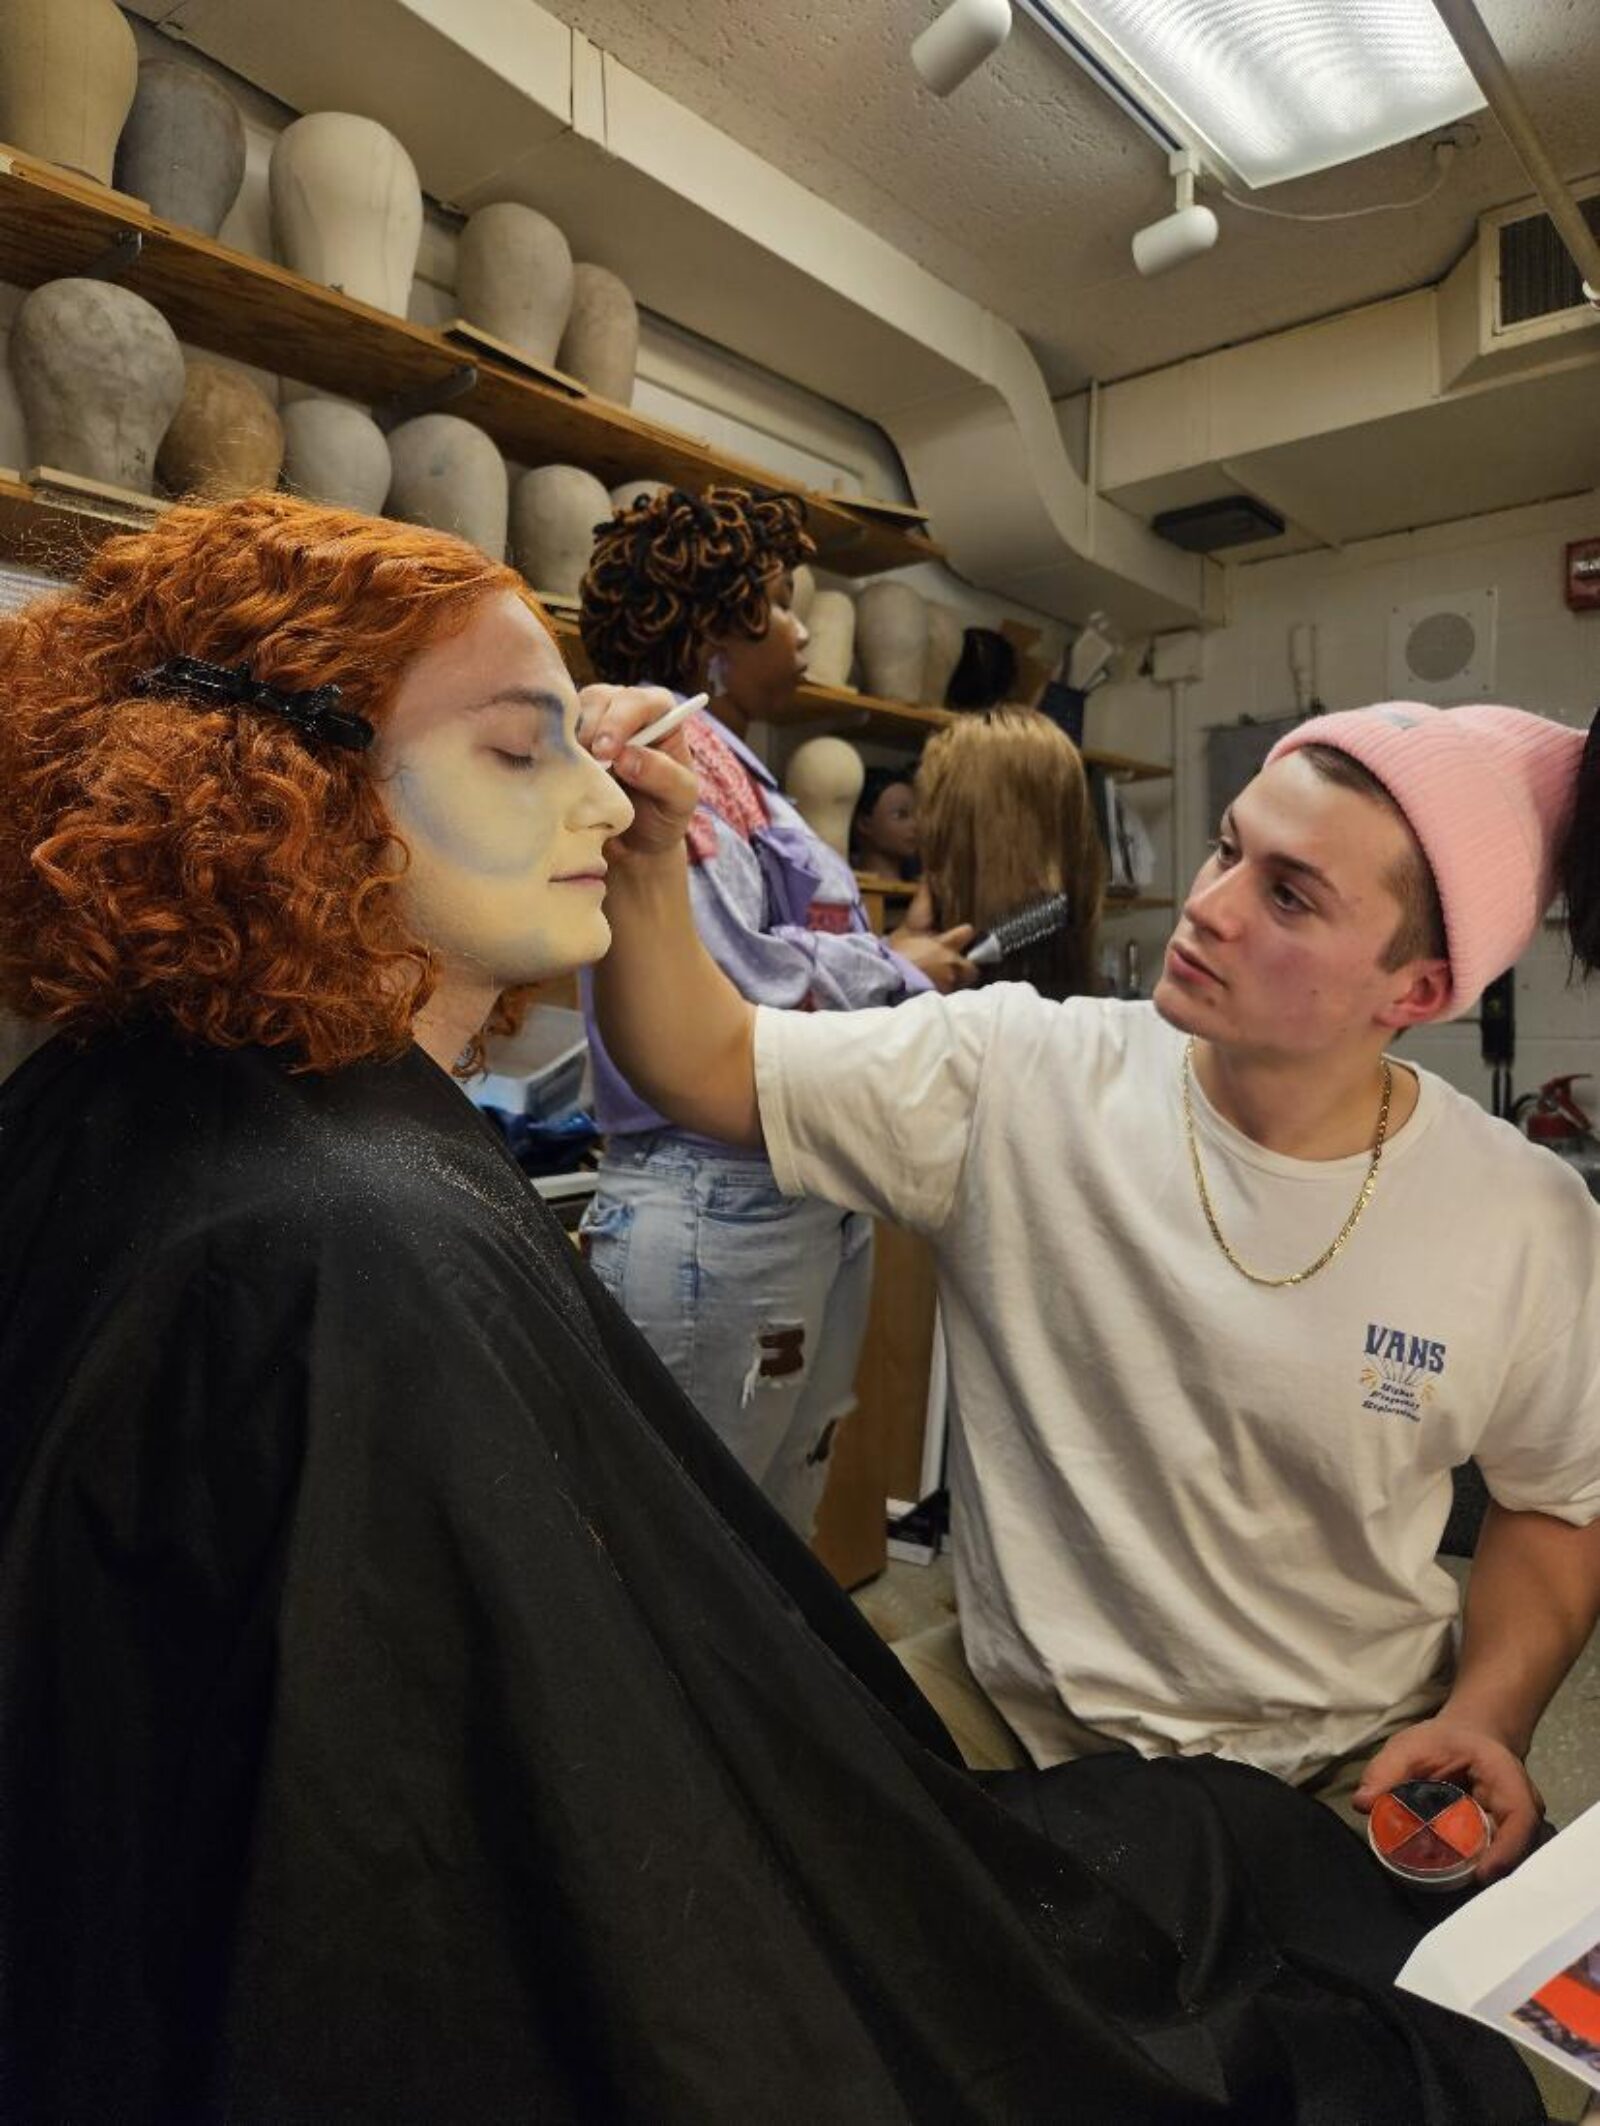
[(1271, 89)]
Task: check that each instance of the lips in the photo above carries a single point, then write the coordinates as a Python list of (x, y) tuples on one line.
[(597, 877), (1189, 966)]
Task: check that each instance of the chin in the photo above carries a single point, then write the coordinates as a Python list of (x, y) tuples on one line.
[(553, 958), (1176, 1006), (601, 944), (590, 943)]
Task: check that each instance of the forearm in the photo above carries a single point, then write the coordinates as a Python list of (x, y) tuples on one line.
[(672, 1022), (1532, 1600)]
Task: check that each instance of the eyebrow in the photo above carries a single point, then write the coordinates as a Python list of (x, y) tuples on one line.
[(522, 697), (1296, 865)]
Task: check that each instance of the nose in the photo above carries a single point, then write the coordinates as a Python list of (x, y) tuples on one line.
[(600, 800), (1213, 902)]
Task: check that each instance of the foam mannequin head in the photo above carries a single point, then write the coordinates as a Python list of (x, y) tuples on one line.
[(823, 780)]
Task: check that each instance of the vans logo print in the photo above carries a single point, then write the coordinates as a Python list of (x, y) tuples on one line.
[(1399, 1376)]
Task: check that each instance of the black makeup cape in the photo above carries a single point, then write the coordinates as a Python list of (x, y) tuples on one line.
[(409, 1714)]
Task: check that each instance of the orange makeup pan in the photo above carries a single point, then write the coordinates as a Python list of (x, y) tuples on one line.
[(1429, 1832)]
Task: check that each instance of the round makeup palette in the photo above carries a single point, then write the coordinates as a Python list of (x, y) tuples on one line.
[(1429, 1832)]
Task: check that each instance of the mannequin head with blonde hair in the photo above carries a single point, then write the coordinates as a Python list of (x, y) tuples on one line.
[(1003, 815)]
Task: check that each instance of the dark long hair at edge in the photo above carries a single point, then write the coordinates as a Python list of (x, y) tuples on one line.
[(1580, 859)]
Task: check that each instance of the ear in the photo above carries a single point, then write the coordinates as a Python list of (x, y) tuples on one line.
[(1425, 993)]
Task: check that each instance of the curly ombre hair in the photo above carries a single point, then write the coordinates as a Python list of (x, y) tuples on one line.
[(210, 868), (1003, 817), (675, 570)]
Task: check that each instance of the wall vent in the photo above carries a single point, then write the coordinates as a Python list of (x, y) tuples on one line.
[(1537, 277), (1514, 302)]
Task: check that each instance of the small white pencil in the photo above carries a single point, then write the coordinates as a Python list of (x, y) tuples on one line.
[(664, 726)]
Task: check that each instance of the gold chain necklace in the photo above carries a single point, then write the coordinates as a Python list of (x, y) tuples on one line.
[(1344, 1232)]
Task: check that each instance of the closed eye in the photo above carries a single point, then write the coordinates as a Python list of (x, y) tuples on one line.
[(519, 761)]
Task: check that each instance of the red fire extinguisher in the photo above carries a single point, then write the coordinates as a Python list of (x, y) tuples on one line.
[(1553, 1118)]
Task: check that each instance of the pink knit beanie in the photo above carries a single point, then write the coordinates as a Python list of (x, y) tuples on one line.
[(1487, 792)]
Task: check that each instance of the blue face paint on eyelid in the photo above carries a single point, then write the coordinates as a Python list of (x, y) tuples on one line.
[(548, 753)]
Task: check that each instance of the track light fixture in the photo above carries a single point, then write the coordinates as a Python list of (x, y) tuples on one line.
[(1181, 235), (956, 43)]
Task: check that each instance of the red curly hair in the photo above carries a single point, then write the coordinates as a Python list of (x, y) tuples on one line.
[(210, 868)]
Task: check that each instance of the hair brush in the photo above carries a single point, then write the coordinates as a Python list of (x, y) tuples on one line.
[(1028, 925)]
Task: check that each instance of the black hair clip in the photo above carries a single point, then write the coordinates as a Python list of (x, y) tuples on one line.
[(316, 713)]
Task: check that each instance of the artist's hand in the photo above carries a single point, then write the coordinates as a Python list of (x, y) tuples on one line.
[(935, 953), (938, 955), (660, 779), (1452, 1747)]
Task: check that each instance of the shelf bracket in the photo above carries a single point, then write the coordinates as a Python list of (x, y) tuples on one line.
[(427, 398), (119, 256)]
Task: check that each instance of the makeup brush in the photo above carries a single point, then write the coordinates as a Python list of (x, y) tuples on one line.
[(1029, 925), (664, 726)]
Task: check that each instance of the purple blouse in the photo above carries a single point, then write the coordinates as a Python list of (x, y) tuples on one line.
[(780, 915)]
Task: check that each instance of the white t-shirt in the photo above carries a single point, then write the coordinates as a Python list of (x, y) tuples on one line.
[(1199, 1513)]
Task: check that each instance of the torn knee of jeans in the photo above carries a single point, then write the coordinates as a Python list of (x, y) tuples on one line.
[(779, 1356), (781, 1346), (824, 1446)]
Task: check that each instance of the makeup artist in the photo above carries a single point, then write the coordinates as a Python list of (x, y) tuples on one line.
[(754, 1300), (1228, 1289)]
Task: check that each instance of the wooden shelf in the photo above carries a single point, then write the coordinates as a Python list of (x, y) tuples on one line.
[(53, 224), (57, 533), (904, 722), (51, 532), (900, 889), (815, 707), (842, 709), (1125, 768)]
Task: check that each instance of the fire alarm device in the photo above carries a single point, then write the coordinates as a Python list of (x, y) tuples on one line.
[(1583, 575)]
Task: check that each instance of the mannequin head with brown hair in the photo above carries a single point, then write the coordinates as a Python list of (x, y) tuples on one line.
[(1003, 817), (242, 873)]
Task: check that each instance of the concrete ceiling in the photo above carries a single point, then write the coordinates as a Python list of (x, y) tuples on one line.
[(1024, 188)]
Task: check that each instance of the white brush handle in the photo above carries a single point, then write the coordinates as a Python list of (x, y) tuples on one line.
[(664, 726)]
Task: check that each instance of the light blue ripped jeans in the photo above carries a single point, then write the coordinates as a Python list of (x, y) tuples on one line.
[(755, 1302)]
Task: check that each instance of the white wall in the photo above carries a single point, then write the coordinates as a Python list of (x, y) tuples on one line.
[(1547, 659)]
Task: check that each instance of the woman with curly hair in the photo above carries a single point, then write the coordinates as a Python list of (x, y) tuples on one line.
[(756, 1302), (407, 1712), (1003, 816)]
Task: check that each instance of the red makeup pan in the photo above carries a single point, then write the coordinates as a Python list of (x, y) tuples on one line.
[(1429, 1832)]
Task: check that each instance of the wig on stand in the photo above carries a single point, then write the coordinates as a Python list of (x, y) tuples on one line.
[(1004, 817)]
